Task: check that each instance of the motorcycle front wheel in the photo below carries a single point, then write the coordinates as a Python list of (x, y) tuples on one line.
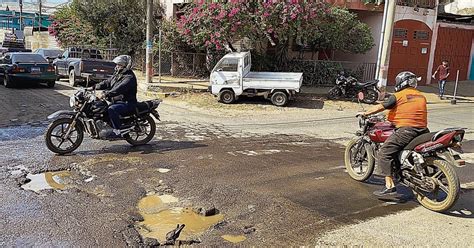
[(443, 186), (56, 139), (359, 160), (142, 133)]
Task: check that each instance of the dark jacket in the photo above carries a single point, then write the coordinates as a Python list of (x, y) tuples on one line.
[(122, 86)]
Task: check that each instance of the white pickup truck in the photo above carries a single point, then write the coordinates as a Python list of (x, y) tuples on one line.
[(231, 78)]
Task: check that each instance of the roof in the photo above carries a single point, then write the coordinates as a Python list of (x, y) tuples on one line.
[(236, 54)]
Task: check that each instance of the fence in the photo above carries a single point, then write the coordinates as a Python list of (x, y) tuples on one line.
[(181, 64), (324, 72)]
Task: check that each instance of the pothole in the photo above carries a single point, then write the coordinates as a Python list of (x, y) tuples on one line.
[(159, 218), (47, 180)]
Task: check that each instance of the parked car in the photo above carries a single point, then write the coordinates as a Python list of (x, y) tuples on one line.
[(49, 54), (16, 68), (80, 63), (231, 77)]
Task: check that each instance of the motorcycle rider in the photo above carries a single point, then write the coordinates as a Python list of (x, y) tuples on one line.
[(121, 90), (408, 112)]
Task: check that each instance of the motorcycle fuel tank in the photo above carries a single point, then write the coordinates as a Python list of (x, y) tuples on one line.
[(380, 132)]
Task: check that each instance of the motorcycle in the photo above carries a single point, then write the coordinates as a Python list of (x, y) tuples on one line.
[(89, 115), (426, 164), (350, 87)]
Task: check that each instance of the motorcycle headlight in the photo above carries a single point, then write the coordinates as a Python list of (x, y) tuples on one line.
[(72, 101)]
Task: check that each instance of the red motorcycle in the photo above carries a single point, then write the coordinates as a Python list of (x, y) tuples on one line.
[(426, 165)]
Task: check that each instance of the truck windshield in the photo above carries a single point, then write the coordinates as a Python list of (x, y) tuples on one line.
[(228, 65)]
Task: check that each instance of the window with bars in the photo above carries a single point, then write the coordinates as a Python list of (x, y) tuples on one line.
[(400, 33), (421, 35)]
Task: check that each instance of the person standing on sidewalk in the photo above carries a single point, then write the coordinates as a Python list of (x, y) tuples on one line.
[(443, 71)]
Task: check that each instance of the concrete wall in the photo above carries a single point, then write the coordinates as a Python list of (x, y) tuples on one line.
[(427, 16), (40, 40), (374, 20)]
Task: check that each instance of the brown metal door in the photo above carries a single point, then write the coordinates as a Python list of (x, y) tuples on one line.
[(410, 49), (454, 45)]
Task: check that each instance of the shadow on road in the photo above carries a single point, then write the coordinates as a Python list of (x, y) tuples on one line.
[(302, 101), (155, 147), (464, 207)]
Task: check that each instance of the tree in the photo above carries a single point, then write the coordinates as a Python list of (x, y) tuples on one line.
[(314, 24), (119, 21)]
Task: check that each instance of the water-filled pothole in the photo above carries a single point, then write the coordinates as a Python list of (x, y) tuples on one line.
[(159, 219), (234, 238), (47, 180)]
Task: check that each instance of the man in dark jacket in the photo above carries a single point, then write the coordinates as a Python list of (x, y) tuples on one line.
[(121, 90)]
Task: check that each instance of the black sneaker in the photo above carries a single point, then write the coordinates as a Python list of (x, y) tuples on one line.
[(386, 192)]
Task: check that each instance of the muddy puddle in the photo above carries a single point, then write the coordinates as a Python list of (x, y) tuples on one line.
[(234, 238), (159, 218), (48, 180)]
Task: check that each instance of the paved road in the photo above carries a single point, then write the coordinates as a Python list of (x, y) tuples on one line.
[(283, 175)]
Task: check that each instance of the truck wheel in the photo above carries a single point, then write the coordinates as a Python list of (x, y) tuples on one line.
[(279, 99), (227, 96), (72, 78)]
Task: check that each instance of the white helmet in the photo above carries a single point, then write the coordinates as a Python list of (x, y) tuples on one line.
[(124, 60)]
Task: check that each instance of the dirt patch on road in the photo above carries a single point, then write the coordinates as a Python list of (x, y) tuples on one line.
[(208, 103)]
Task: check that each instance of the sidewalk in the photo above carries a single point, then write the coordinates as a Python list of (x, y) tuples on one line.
[(170, 85)]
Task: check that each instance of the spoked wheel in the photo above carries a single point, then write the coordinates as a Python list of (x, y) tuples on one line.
[(56, 139), (359, 160), (334, 93), (441, 186), (370, 96), (142, 133)]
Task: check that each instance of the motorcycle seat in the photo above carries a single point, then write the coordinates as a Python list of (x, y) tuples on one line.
[(144, 106), (420, 140), (368, 83)]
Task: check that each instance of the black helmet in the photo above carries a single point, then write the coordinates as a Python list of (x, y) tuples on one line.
[(406, 79)]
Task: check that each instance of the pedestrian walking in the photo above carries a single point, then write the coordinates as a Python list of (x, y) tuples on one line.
[(443, 74)]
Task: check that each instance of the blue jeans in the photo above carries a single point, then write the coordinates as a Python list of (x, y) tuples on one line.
[(116, 110), (441, 84)]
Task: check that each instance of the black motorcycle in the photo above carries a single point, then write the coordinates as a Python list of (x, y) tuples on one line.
[(89, 114), (350, 88)]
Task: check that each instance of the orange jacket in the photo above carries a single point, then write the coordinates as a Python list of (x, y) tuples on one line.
[(410, 110)]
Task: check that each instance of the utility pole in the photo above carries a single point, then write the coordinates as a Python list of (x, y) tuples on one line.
[(149, 41), (40, 2), (21, 14), (384, 52)]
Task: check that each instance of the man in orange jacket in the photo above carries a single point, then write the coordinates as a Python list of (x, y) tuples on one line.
[(408, 112)]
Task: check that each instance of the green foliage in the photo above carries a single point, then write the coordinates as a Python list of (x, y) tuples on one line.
[(121, 22)]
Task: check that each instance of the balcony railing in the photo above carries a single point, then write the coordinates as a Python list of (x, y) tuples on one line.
[(427, 4)]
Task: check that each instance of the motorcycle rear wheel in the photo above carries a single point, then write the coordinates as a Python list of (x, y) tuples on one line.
[(447, 181), (366, 168), (370, 96), (144, 135), (334, 93)]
